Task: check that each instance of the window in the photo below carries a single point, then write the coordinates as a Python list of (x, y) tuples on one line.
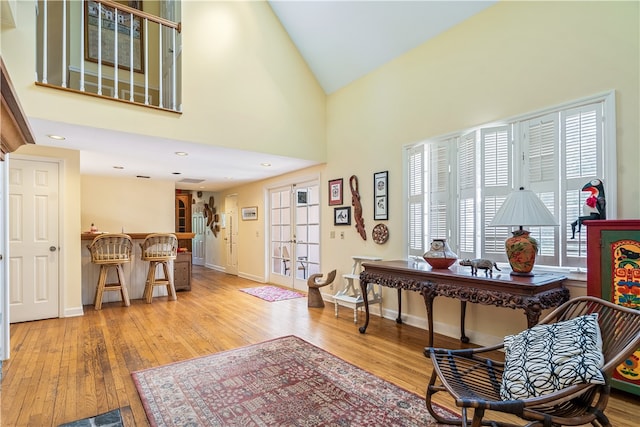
[(457, 183)]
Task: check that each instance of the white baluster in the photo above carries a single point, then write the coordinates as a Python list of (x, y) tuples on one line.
[(115, 56), (131, 88), (146, 61), (99, 48), (82, 48), (161, 76), (44, 43), (173, 70), (64, 43)]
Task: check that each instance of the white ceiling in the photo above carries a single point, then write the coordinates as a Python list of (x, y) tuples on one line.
[(341, 41)]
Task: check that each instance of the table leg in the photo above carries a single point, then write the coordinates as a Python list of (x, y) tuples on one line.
[(463, 314), (365, 298), (532, 312), (429, 296), (399, 319)]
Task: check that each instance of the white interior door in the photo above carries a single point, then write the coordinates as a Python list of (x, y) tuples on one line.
[(231, 234), (294, 234), (33, 239), (198, 246)]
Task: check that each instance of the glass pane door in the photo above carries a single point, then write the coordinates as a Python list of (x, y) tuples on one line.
[(295, 234)]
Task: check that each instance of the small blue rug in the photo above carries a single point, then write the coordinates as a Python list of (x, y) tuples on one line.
[(108, 419)]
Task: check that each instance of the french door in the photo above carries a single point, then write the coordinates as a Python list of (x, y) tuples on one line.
[(294, 234)]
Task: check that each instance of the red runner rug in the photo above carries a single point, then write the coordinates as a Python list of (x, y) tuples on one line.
[(283, 382), (272, 293)]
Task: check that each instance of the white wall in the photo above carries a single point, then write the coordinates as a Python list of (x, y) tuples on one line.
[(244, 84), (133, 204)]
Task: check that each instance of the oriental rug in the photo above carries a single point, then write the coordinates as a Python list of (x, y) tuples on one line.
[(272, 293), (282, 382)]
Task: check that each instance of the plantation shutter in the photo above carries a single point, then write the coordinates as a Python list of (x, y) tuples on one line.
[(540, 159), (582, 135), (415, 160), (496, 183), (467, 196), (438, 172)]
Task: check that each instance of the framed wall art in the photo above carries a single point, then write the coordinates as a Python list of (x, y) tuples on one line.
[(342, 216), (110, 25), (250, 213), (335, 192), (380, 195)]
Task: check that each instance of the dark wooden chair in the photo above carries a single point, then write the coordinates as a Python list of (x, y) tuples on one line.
[(474, 381)]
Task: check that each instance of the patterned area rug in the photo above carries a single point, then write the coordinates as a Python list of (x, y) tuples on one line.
[(282, 382), (272, 293)]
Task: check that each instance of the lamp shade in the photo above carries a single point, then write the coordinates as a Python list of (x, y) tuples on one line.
[(523, 208)]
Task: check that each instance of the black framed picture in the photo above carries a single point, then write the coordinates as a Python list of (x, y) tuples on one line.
[(342, 216), (301, 196), (381, 195)]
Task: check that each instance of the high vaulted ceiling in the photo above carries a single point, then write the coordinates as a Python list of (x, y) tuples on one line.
[(341, 41)]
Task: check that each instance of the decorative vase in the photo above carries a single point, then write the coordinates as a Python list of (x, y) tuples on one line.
[(440, 255), (521, 251)]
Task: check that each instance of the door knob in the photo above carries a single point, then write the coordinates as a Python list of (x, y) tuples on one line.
[(52, 248)]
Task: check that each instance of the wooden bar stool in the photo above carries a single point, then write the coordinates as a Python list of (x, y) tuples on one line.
[(159, 248), (111, 251)]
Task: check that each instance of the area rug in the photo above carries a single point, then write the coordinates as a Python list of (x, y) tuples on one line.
[(282, 382), (272, 293)]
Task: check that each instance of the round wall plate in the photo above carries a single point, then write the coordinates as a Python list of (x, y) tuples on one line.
[(380, 234)]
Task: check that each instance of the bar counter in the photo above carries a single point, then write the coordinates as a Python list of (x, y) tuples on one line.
[(135, 272)]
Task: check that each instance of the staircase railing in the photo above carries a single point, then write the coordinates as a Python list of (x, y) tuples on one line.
[(110, 50)]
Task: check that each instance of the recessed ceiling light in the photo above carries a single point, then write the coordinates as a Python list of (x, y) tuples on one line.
[(118, 167), (181, 153), (265, 164), (57, 137)]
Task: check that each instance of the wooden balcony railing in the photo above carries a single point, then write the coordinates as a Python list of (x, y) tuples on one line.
[(107, 49)]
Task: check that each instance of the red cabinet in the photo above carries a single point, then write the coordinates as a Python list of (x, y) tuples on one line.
[(613, 274)]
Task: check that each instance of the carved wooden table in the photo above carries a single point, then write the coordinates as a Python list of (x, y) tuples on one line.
[(533, 294)]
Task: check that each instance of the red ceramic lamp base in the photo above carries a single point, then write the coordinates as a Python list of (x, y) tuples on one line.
[(521, 252)]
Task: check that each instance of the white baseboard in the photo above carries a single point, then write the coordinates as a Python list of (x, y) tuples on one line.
[(216, 267), (73, 312), (252, 277)]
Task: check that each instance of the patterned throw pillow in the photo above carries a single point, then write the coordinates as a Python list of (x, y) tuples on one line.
[(547, 358)]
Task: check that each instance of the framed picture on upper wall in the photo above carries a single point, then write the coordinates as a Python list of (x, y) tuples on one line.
[(250, 213), (335, 192), (101, 23), (380, 195)]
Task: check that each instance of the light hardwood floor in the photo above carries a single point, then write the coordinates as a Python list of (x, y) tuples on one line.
[(66, 369)]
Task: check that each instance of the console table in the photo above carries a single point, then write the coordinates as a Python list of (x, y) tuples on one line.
[(533, 294)]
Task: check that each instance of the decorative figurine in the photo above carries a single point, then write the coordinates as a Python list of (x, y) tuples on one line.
[(594, 206), (357, 207), (483, 264)]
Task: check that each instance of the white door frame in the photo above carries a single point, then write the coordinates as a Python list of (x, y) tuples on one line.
[(4, 271), (276, 278)]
